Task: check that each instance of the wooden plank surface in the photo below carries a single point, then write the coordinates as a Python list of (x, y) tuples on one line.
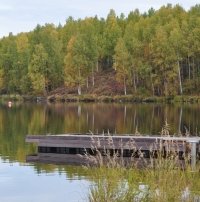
[(124, 137), (111, 142)]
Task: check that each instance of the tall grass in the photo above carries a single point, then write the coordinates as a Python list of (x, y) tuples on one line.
[(160, 179), (120, 184)]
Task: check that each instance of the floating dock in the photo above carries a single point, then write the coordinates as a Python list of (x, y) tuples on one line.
[(70, 147)]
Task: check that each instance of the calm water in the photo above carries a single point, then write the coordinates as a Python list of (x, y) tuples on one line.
[(23, 182)]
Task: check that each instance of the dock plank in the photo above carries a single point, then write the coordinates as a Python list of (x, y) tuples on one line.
[(112, 142)]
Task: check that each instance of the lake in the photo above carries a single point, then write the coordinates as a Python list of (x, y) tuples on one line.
[(22, 182)]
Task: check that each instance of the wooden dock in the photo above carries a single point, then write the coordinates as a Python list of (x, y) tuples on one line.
[(125, 145)]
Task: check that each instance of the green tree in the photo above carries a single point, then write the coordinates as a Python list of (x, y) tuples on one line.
[(111, 34), (86, 47), (121, 63), (38, 70), (8, 61), (177, 43), (73, 71), (69, 29), (48, 37), (23, 62), (165, 63)]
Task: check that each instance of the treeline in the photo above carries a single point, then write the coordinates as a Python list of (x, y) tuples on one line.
[(153, 53)]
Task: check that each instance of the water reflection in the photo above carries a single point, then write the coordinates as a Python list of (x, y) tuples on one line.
[(117, 118), (19, 120)]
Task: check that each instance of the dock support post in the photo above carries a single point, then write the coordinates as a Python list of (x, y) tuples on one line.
[(193, 143)]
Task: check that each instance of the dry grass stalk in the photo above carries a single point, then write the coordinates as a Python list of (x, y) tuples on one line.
[(166, 175)]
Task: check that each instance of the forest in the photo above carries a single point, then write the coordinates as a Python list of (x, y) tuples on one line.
[(155, 53)]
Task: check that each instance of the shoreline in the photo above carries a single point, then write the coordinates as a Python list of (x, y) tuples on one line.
[(106, 99)]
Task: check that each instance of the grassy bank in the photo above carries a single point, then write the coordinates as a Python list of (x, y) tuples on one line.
[(21, 98), (123, 98), (102, 98)]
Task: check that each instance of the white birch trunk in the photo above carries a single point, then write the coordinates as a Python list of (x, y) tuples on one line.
[(79, 89), (92, 76), (125, 86)]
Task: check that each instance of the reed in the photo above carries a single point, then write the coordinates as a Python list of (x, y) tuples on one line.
[(165, 176)]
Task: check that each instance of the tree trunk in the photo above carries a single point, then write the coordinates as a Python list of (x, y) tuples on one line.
[(193, 68), (134, 83), (152, 86), (92, 76), (124, 85), (79, 89), (165, 85), (79, 84), (45, 87), (179, 76), (189, 69), (165, 88), (97, 65), (87, 83)]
